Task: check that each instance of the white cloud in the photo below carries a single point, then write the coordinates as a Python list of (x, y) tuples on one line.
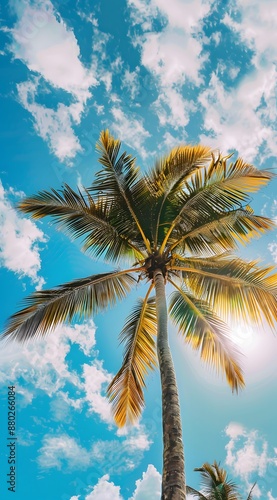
[(130, 81), (272, 247), (42, 363), (256, 28), (241, 118), (58, 450), (248, 456), (270, 497), (19, 242), (105, 490), (149, 487), (54, 126), (130, 130), (234, 430), (95, 378), (174, 55), (139, 442), (172, 109), (42, 41), (244, 117), (118, 455), (114, 456)]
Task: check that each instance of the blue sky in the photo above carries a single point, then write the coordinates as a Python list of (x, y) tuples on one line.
[(157, 74)]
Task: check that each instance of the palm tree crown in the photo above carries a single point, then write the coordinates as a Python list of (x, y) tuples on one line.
[(176, 224), (215, 484)]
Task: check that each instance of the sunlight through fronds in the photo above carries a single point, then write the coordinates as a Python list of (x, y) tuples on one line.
[(234, 287), (207, 333), (218, 188)]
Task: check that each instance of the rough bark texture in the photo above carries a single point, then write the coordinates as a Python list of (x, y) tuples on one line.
[(173, 480)]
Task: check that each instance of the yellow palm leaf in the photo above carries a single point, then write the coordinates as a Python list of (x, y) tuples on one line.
[(126, 389)]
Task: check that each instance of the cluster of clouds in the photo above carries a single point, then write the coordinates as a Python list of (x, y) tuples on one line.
[(44, 365), (250, 459), (49, 49), (176, 56), (147, 488), (20, 240)]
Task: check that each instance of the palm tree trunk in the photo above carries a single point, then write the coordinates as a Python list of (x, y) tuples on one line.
[(173, 479)]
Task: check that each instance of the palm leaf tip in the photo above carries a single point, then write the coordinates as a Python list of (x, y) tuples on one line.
[(138, 334)]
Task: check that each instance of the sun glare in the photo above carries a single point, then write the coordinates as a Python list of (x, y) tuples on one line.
[(244, 336)]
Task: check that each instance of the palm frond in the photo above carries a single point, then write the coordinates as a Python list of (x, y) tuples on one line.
[(126, 389), (242, 290), (205, 332), (80, 216), (198, 494), (215, 483), (169, 174), (116, 179), (45, 309), (198, 233), (250, 495), (220, 187)]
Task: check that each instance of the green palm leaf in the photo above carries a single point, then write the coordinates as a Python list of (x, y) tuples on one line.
[(205, 332), (126, 389), (168, 176), (216, 232), (236, 288), (215, 483), (218, 188), (80, 216), (115, 181), (45, 309)]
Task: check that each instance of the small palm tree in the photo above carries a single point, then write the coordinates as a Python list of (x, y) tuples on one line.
[(215, 485), (175, 225)]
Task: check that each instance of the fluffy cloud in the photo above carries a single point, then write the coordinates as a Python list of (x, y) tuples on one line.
[(42, 363), (256, 28), (244, 117), (241, 118), (42, 41), (173, 55), (95, 379), (129, 129), (121, 454), (105, 489), (105, 456), (59, 450), (248, 456), (54, 126), (19, 241), (149, 487)]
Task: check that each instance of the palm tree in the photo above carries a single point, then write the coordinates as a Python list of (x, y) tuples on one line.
[(215, 485), (174, 225)]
